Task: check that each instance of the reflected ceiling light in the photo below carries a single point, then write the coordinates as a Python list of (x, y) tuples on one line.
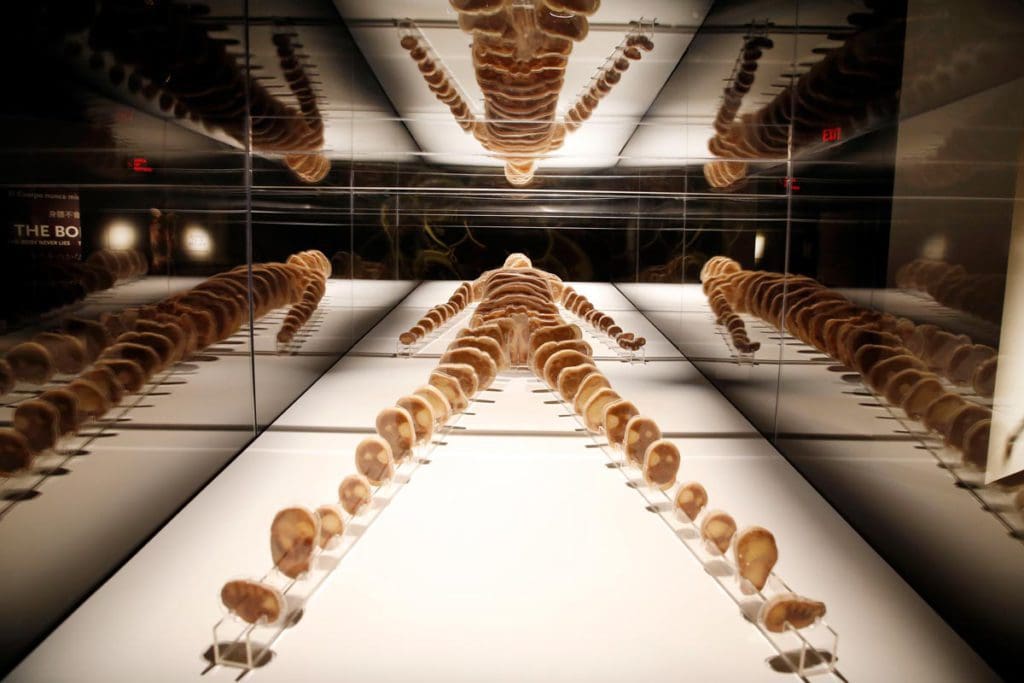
[(758, 247), (935, 247), (196, 241), (120, 235), (169, 55), (520, 52)]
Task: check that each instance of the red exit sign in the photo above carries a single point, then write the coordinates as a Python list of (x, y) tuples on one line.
[(140, 165), (831, 134)]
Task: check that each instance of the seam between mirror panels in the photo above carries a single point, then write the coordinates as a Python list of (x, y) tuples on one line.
[(789, 220), (247, 179)]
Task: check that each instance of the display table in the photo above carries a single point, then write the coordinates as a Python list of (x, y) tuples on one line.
[(514, 554)]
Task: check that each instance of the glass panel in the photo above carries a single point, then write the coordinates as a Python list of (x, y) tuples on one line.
[(125, 389), (908, 183)]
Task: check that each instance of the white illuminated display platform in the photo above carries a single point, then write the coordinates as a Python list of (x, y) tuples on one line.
[(516, 553)]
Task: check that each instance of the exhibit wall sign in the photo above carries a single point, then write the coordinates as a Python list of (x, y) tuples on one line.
[(43, 225)]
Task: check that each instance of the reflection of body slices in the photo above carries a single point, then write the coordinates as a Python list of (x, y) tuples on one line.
[(172, 332), (293, 536), (162, 346), (966, 360), (67, 352), (67, 406), (485, 344), (331, 524), (559, 361), (395, 426), (253, 602), (789, 609), (39, 421), (975, 444), (146, 357), (91, 333), (964, 419), (15, 451), (7, 378), (129, 374), (374, 460), (984, 379), (941, 411), (640, 433)]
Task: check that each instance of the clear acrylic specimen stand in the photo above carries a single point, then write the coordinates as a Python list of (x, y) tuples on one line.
[(807, 652), (248, 646)]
